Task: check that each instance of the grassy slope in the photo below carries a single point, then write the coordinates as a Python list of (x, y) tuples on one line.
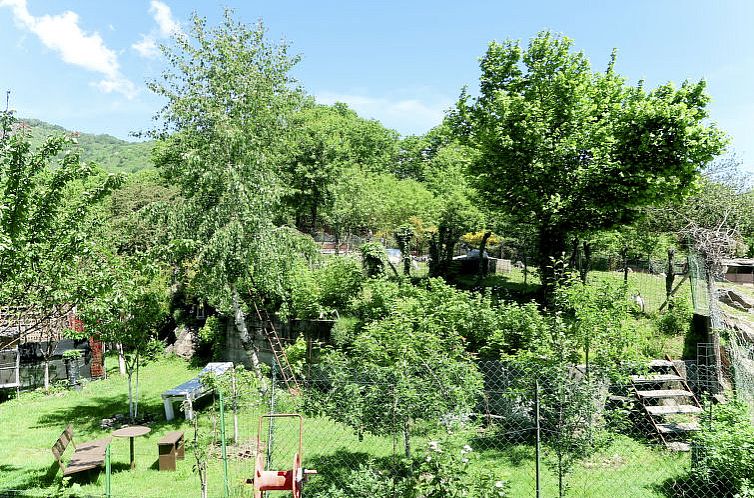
[(111, 153)]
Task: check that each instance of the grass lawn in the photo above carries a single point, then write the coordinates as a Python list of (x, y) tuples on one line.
[(625, 468)]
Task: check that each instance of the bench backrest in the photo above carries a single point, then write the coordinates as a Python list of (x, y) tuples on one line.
[(61, 444)]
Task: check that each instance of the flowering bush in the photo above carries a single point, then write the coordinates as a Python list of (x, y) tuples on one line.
[(445, 474)]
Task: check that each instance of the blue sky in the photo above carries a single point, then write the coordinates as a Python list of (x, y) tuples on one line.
[(83, 64)]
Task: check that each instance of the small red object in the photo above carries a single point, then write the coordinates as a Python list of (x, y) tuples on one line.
[(280, 480)]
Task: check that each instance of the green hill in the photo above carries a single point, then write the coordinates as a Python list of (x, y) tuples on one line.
[(113, 154)]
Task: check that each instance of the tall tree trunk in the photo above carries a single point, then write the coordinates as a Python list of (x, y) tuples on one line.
[(447, 244), (434, 256), (552, 244), (121, 359), (670, 277), (246, 340), (586, 263), (483, 263), (624, 255), (574, 261)]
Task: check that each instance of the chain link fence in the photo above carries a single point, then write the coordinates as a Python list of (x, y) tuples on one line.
[(558, 433), (526, 431)]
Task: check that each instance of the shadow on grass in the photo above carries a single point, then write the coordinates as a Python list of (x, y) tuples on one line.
[(87, 416), (336, 470), (35, 477), (690, 486)]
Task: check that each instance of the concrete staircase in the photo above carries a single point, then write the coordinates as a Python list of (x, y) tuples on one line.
[(668, 402)]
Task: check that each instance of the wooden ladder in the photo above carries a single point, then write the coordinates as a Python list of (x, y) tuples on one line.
[(278, 351), (652, 391)]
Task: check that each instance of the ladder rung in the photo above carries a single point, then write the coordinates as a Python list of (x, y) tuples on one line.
[(678, 428), (656, 378), (672, 409), (664, 393), (678, 446), (660, 363)]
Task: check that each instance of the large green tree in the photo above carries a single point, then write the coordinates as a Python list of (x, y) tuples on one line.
[(230, 100), (326, 141), (129, 309), (49, 216), (567, 149)]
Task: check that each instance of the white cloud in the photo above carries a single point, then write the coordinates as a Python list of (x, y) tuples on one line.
[(166, 26), (407, 115), (164, 19), (62, 34), (147, 47)]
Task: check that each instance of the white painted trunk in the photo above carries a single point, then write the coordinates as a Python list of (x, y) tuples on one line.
[(121, 359), (246, 339), (47, 375), (131, 414)]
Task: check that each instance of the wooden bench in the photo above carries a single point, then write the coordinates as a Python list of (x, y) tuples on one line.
[(170, 448), (87, 456), (192, 390)]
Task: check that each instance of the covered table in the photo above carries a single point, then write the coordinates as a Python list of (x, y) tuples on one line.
[(192, 390)]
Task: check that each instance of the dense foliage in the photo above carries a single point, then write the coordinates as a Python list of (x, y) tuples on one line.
[(725, 454), (568, 150), (403, 340), (48, 215)]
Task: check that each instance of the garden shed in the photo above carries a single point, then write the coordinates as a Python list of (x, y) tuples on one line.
[(29, 339), (740, 271)]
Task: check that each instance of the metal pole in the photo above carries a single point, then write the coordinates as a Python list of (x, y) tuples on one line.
[(538, 438), (226, 490), (107, 471), (272, 412)]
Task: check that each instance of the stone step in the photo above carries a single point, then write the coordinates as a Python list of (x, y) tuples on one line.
[(664, 393), (655, 378), (660, 364), (678, 446), (678, 428), (672, 410)]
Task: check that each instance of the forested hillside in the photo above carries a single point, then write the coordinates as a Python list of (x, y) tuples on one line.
[(113, 154)]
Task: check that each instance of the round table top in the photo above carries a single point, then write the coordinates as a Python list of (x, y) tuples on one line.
[(131, 431)]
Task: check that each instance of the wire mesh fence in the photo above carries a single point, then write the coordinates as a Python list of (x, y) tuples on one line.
[(541, 434)]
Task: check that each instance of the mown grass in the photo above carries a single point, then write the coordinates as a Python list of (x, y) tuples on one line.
[(31, 424)]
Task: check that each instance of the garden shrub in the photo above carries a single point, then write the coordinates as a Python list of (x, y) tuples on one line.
[(676, 320), (517, 326), (344, 330), (296, 355), (211, 338), (339, 280), (305, 295), (378, 297), (439, 471), (373, 258), (724, 448)]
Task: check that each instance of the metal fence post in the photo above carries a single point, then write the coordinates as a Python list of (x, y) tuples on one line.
[(272, 420), (537, 447), (226, 490), (107, 471)]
